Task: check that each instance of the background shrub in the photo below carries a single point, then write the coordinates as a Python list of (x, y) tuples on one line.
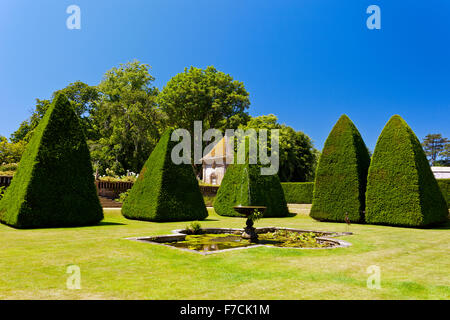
[(8, 167), (123, 196), (298, 192), (209, 200), (444, 185), (341, 175), (165, 191), (401, 188), (54, 183), (244, 185)]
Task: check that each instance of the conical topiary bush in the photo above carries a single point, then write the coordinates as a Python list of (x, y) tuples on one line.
[(54, 184), (165, 191), (341, 174), (244, 185), (401, 188)]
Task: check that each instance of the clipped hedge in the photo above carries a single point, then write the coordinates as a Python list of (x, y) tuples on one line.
[(341, 175), (54, 183), (244, 185), (444, 185), (401, 188), (298, 192), (165, 191)]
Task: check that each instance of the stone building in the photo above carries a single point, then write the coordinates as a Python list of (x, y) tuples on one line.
[(215, 163)]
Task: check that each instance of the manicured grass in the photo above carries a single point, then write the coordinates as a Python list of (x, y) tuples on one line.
[(414, 263)]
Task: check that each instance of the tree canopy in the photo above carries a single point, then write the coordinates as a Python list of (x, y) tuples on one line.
[(11, 152), (206, 95), (435, 147), (297, 155), (83, 99), (124, 116), (127, 118)]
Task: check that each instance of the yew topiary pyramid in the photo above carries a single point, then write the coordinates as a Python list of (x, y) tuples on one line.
[(165, 191), (341, 175), (401, 188), (54, 184), (244, 185)]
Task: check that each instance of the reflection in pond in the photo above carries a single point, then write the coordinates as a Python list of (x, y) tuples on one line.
[(211, 242)]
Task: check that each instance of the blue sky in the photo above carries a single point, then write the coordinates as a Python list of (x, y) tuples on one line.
[(307, 61)]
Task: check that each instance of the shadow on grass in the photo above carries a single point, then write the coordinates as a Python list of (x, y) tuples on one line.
[(100, 224), (105, 223), (290, 215), (442, 226)]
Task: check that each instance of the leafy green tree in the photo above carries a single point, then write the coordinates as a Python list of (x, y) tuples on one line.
[(445, 155), (206, 95), (83, 99), (297, 155), (11, 152), (27, 127), (434, 144), (126, 117)]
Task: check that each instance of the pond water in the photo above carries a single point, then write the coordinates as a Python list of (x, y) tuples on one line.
[(280, 238), (211, 242)]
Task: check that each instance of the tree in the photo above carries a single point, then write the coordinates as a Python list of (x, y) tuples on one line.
[(81, 96), (296, 152), (208, 95), (10, 152), (84, 100), (433, 144), (445, 155), (27, 127), (126, 117)]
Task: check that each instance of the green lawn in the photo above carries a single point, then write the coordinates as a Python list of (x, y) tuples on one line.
[(414, 263)]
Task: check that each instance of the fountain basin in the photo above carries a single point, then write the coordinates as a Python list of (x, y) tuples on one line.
[(225, 239)]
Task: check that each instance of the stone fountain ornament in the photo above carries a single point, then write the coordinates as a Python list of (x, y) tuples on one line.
[(252, 213)]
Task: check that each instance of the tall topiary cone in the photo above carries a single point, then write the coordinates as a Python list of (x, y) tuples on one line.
[(341, 175), (54, 184), (401, 188), (244, 185), (165, 191)]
